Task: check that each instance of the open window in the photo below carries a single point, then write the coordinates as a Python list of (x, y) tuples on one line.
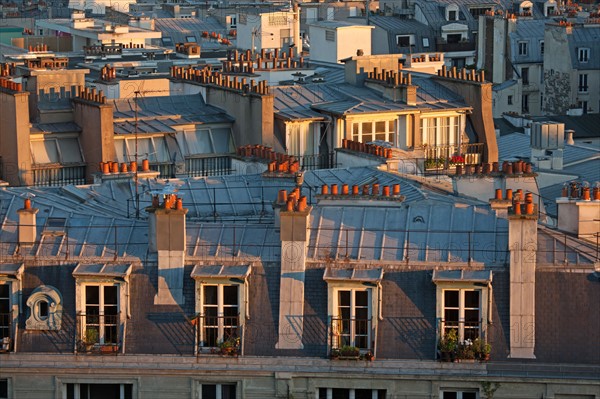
[(102, 292), (353, 307), (221, 306), (10, 288), (463, 303)]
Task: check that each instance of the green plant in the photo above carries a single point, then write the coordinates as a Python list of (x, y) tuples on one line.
[(482, 349), (466, 350), (91, 336), (489, 388), (348, 350), (229, 346), (449, 342)]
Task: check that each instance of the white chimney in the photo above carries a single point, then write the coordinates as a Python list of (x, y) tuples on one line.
[(27, 223), (570, 133)]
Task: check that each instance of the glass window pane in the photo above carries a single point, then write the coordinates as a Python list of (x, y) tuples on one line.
[(451, 315), (144, 149), (449, 395), (222, 140), (340, 393), (209, 391), (472, 316), (227, 391), (367, 127), (363, 394), (44, 151), (381, 127), (471, 299), (230, 313), (451, 298), (92, 295), (110, 294), (121, 151), (344, 298), (361, 298), (469, 395), (161, 149), (210, 294), (3, 290), (69, 150), (361, 314), (230, 295), (198, 142)]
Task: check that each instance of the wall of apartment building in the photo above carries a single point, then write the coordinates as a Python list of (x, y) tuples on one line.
[(14, 138), (477, 95), (97, 133), (253, 114), (559, 78), (173, 377)]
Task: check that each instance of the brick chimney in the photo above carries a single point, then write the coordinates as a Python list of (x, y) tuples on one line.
[(522, 243), (167, 235), (27, 223), (294, 233)]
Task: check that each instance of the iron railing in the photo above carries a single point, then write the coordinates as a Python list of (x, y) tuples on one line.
[(208, 166), (98, 333), (58, 175), (352, 332), (215, 333), (320, 161), (470, 153), (6, 332), (466, 330)]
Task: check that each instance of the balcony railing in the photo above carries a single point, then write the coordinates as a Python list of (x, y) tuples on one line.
[(352, 332), (445, 156), (98, 333), (217, 334), (208, 166), (444, 46), (467, 330), (6, 332), (58, 175), (321, 161)]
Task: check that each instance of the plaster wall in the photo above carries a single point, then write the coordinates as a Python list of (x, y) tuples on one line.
[(14, 138)]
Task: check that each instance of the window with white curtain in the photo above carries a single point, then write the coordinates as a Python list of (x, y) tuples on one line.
[(56, 150)]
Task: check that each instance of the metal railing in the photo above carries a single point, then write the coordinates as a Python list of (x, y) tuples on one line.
[(58, 175), (320, 161), (208, 166), (466, 330), (216, 334), (98, 333), (352, 332), (470, 153)]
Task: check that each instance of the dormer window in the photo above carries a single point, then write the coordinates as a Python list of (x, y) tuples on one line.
[(525, 8), (452, 12), (523, 48), (45, 309), (583, 54)]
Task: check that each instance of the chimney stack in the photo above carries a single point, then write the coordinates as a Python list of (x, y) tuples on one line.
[(294, 235), (27, 223), (167, 236), (569, 133)]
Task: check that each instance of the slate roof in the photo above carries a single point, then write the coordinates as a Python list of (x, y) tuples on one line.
[(585, 37), (309, 101), (397, 26), (585, 126), (161, 114), (532, 31), (515, 145)]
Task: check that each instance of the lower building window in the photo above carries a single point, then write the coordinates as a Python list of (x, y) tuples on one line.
[(5, 311), (99, 391), (345, 393), (458, 395), (218, 391), (3, 388)]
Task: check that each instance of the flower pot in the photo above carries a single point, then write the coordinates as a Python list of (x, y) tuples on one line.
[(446, 356)]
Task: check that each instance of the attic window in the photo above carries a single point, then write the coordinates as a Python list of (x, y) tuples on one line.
[(404, 40), (55, 226)]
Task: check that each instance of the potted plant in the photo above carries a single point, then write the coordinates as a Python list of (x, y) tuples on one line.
[(482, 350), (369, 356), (447, 345), (335, 354), (90, 339), (349, 352), (466, 351), (230, 346)]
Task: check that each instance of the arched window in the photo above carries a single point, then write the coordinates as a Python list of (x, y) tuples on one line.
[(45, 309)]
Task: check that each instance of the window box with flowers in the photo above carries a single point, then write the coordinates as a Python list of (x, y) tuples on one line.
[(448, 345), (457, 160), (230, 347)]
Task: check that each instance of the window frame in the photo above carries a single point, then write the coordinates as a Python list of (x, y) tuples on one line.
[(583, 86), (198, 382), (374, 311), (375, 392), (13, 280), (220, 306), (56, 141), (485, 303), (583, 54), (390, 132), (523, 48), (63, 383), (525, 75)]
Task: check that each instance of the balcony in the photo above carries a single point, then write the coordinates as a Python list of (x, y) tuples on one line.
[(443, 46), (353, 332), (446, 156), (58, 175), (221, 335), (462, 341), (320, 161), (208, 166), (98, 334), (6, 332)]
